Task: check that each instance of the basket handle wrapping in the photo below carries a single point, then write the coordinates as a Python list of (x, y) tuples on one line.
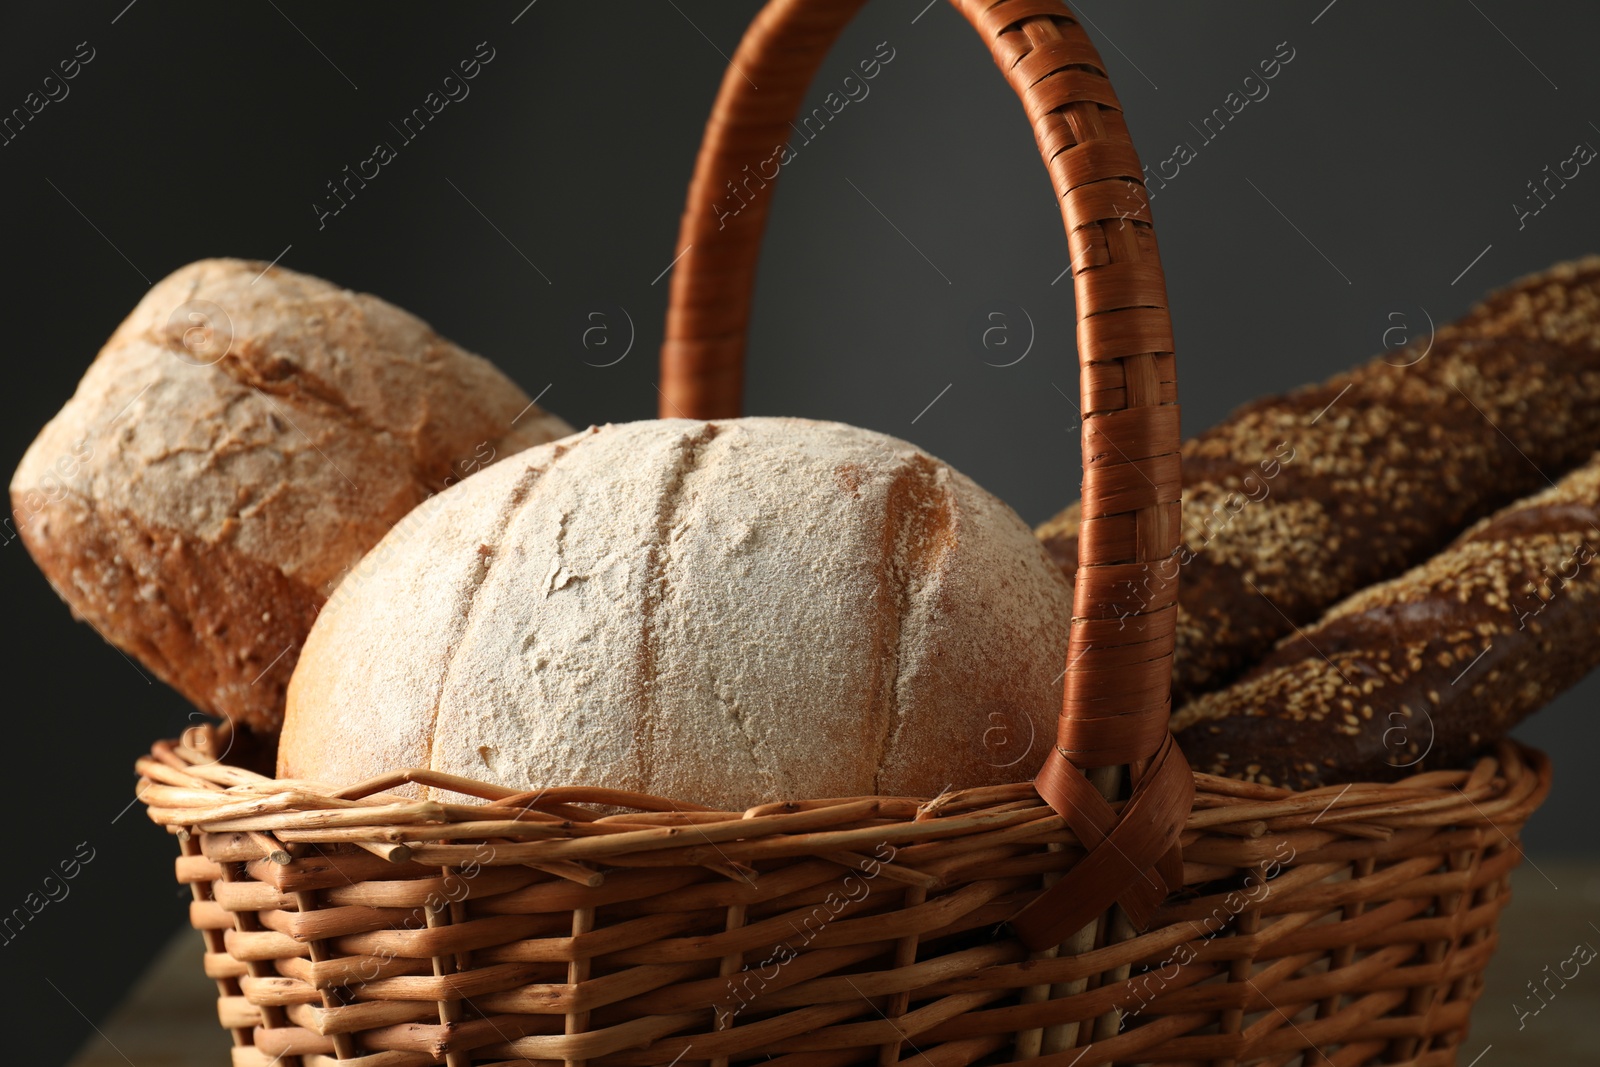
[(1117, 697)]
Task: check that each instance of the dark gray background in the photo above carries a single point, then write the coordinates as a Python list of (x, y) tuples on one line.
[(1384, 162)]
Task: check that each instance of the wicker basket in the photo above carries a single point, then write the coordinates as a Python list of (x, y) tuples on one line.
[(1116, 910)]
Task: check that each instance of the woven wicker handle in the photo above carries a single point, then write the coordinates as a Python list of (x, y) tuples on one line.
[(1117, 696)]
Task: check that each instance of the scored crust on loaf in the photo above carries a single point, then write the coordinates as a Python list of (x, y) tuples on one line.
[(196, 503), (725, 613)]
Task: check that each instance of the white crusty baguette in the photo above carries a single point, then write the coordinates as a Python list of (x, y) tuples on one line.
[(720, 612), (243, 438)]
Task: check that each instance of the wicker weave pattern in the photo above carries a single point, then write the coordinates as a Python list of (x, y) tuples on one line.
[(361, 928), (1118, 674)]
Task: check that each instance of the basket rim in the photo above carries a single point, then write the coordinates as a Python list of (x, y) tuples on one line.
[(188, 790)]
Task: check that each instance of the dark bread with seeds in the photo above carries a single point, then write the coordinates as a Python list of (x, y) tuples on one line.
[(1297, 501), (242, 439), (1426, 670)]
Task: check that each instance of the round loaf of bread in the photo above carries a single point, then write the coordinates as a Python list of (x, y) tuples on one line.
[(726, 612), (240, 442)]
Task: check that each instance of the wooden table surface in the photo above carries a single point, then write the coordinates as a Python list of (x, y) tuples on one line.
[(169, 1018)]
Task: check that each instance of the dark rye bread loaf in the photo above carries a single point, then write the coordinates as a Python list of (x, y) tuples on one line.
[(1296, 501), (1423, 671), (242, 439)]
